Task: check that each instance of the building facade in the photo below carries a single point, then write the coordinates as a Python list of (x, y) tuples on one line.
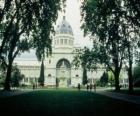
[(58, 68)]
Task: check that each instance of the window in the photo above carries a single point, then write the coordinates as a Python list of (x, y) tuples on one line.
[(31, 80), (65, 41), (58, 41), (71, 42), (61, 41), (77, 75)]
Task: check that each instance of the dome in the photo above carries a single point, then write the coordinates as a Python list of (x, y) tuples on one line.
[(64, 28)]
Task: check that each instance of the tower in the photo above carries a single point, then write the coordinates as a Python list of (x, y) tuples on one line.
[(64, 39)]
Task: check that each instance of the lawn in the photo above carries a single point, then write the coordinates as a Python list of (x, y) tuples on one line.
[(66, 102)]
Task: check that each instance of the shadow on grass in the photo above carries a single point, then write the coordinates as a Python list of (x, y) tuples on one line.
[(62, 102)]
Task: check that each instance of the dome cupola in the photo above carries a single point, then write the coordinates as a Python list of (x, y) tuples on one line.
[(64, 28), (64, 39)]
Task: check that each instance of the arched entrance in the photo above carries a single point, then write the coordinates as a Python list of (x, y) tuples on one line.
[(63, 72)]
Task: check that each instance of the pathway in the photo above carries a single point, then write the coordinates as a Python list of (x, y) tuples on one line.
[(124, 97), (4, 94)]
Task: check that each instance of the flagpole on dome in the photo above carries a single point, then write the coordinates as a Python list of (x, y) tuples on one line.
[(64, 11)]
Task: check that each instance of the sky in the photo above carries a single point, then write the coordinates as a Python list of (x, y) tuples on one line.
[(73, 17)]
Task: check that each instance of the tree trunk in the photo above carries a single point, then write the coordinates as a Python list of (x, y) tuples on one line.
[(84, 76), (130, 76), (42, 76), (117, 87), (8, 76)]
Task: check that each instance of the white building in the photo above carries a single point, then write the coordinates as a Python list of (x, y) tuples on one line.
[(58, 68)]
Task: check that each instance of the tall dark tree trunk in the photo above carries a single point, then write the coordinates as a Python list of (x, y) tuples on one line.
[(84, 76), (42, 76), (9, 70), (8, 76), (117, 72), (130, 76), (116, 75)]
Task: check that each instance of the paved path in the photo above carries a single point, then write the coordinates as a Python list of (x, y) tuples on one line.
[(124, 97), (4, 94)]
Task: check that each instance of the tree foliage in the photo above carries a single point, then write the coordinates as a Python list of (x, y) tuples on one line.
[(113, 24), (136, 72), (111, 78), (84, 58), (16, 77), (26, 24), (102, 21), (136, 75), (104, 79)]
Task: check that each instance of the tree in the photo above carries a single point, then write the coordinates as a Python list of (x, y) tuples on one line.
[(81, 60), (131, 33), (42, 77), (102, 20), (104, 79), (133, 6), (27, 24), (16, 77), (84, 58), (113, 23), (111, 78), (5, 7), (2, 77), (136, 72), (84, 80), (136, 75)]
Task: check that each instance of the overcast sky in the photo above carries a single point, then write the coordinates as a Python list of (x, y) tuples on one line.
[(74, 18)]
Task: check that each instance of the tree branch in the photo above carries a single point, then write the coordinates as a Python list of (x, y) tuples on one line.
[(15, 54)]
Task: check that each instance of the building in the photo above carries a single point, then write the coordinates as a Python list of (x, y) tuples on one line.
[(58, 68)]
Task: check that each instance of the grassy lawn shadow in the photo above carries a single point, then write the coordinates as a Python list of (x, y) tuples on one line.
[(55, 102)]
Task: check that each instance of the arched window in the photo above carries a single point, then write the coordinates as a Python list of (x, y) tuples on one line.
[(64, 62)]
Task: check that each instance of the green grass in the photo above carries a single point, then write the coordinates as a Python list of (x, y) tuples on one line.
[(66, 102)]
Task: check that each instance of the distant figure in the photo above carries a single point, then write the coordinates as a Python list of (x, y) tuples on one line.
[(33, 86), (90, 87), (94, 87), (87, 87), (79, 86)]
